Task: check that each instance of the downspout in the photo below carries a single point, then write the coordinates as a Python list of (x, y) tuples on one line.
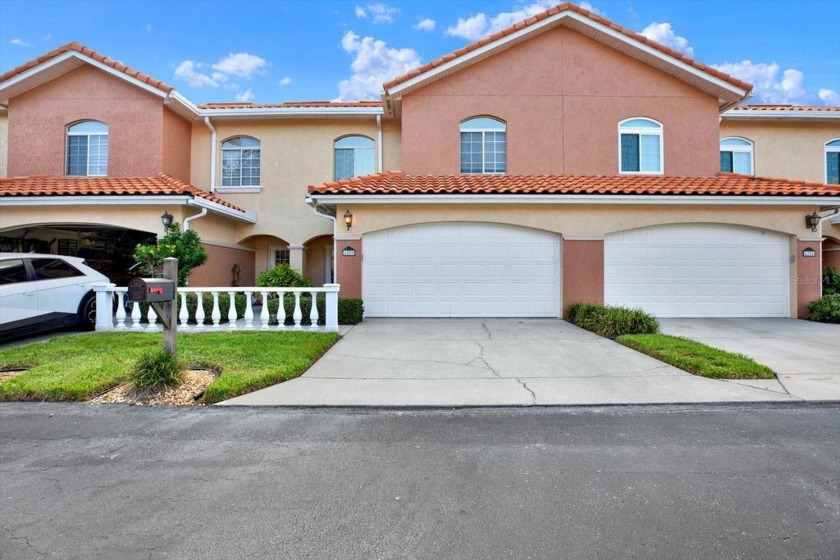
[(212, 157), (196, 217), (378, 143)]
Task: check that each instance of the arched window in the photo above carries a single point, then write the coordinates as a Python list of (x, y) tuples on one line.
[(483, 145), (736, 156), (241, 162), (640, 142), (353, 157), (832, 162), (87, 149)]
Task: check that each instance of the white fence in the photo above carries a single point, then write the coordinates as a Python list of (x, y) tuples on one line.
[(256, 316)]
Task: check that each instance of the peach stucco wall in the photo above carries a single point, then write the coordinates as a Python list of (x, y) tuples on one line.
[(792, 150), (583, 272), (176, 146), (562, 96), (220, 261), (38, 121), (808, 276), (4, 144), (349, 269)]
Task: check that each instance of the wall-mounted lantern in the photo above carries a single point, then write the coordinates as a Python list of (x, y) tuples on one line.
[(166, 220), (812, 221), (348, 219)]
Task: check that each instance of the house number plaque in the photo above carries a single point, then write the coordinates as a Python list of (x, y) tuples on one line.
[(808, 252), (348, 252)]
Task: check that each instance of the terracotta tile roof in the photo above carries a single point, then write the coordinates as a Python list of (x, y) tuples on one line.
[(50, 185), (722, 184), (290, 104), (115, 64), (769, 107), (550, 12)]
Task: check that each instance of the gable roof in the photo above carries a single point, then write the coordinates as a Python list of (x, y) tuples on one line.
[(156, 186), (728, 89), (64, 59), (722, 184)]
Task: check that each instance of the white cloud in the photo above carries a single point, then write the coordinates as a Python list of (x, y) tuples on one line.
[(284, 81), (360, 12), (480, 25), (830, 97), (771, 84), (374, 64), (382, 13), (188, 72), (19, 42), (664, 34), (245, 97), (425, 24), (240, 64)]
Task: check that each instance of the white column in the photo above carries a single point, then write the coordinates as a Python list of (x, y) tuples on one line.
[(296, 257), (104, 316), (332, 306)]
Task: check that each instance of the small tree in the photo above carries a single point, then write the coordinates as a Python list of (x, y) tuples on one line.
[(184, 246)]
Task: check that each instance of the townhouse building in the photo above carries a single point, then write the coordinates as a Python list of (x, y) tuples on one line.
[(561, 160)]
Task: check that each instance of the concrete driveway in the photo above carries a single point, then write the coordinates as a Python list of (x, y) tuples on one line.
[(492, 362), (805, 355)]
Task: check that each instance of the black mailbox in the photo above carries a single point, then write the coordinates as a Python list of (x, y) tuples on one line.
[(151, 290)]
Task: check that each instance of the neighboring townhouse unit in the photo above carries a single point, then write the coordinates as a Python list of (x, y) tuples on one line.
[(788, 141), (565, 159)]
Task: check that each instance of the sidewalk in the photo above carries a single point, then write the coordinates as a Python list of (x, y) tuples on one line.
[(495, 362)]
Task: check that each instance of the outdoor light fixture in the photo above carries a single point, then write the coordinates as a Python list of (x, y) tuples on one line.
[(348, 219), (812, 221), (166, 219)]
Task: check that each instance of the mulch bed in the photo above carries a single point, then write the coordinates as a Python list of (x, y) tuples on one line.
[(192, 387)]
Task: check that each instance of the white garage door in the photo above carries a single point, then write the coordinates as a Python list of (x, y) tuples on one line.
[(461, 270), (695, 270)]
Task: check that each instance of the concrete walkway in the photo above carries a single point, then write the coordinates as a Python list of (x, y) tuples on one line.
[(805, 355), (493, 362)]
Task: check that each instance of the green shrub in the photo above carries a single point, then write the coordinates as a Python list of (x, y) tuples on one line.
[(282, 276), (825, 309), (157, 369), (350, 311), (830, 281), (611, 322)]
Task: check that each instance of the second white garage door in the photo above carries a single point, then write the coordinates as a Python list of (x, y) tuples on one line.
[(699, 270), (461, 270)]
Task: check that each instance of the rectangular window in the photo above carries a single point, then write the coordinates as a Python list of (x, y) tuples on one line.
[(281, 256), (832, 168), (353, 162), (630, 152), (735, 162), (726, 162)]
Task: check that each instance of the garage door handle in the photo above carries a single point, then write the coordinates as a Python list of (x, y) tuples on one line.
[(29, 294)]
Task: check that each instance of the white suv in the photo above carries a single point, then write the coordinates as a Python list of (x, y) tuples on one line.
[(40, 292)]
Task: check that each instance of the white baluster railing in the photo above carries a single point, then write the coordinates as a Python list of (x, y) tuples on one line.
[(241, 317)]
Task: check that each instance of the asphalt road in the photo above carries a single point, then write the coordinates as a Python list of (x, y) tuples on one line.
[(84, 481)]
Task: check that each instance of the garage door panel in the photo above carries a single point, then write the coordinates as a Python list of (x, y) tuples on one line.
[(698, 270), (456, 269)]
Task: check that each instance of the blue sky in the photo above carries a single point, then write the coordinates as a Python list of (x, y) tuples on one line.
[(270, 51)]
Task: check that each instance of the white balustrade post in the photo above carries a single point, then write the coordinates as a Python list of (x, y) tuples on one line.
[(297, 315), (264, 315), (249, 313), (231, 316), (332, 306), (183, 313), (136, 316), (199, 310), (313, 312), (151, 317), (120, 310), (104, 315), (216, 315)]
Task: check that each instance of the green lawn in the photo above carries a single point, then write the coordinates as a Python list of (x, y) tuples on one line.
[(697, 358), (76, 368)]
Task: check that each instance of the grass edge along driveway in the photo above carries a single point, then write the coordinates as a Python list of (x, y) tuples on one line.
[(79, 367), (696, 357)]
